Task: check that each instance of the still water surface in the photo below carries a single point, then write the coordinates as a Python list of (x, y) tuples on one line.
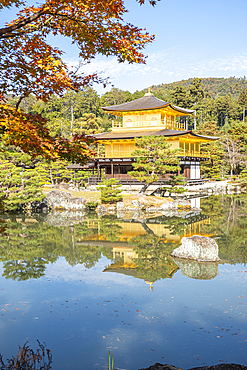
[(84, 284)]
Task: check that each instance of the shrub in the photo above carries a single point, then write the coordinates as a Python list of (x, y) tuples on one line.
[(91, 205), (110, 191)]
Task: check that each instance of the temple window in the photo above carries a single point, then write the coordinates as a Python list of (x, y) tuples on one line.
[(129, 122)]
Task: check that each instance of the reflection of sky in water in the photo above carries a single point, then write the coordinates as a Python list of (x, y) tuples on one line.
[(80, 313)]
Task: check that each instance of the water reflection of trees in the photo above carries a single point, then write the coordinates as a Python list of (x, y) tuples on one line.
[(26, 249), (228, 223), (153, 259), (27, 246)]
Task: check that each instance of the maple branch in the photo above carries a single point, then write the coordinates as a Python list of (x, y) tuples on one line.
[(79, 21), (19, 102), (24, 22), (7, 32)]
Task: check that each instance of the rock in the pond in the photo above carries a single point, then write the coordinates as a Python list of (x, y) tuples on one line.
[(199, 248), (101, 208)]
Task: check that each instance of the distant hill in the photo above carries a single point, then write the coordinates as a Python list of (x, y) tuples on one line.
[(216, 87)]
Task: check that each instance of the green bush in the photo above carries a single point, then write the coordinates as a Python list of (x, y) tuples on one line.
[(91, 205), (110, 191)]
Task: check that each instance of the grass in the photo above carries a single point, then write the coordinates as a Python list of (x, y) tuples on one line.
[(89, 196), (94, 196), (111, 361)]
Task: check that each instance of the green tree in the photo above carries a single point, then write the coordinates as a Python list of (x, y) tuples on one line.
[(139, 94), (18, 186), (180, 96), (196, 92), (54, 172), (242, 100), (154, 159), (213, 168), (88, 124), (63, 113), (110, 191), (115, 96), (227, 110)]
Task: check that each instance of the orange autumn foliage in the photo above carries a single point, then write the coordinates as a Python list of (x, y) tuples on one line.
[(29, 65), (30, 133)]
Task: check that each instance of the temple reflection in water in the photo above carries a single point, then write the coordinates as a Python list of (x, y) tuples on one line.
[(141, 247)]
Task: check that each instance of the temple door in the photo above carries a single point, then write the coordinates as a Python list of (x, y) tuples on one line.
[(187, 171)]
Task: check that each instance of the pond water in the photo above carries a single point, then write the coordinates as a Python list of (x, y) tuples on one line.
[(84, 284)]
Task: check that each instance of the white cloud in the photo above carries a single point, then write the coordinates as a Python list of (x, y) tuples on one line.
[(166, 66), (62, 271)]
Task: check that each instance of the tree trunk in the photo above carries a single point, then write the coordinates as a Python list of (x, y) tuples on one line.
[(72, 119), (243, 112), (195, 120), (51, 177), (144, 188), (146, 228)]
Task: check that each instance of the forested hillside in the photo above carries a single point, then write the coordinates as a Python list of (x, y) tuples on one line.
[(216, 87), (214, 99), (218, 113)]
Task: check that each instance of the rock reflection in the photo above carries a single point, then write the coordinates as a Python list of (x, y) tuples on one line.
[(197, 270), (138, 246)]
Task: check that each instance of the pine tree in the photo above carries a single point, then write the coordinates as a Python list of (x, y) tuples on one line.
[(110, 191), (242, 100), (154, 159)]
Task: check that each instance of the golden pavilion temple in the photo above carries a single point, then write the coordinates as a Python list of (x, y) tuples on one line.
[(144, 117)]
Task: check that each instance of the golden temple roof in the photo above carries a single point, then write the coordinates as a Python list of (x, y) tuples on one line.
[(147, 102), (131, 134)]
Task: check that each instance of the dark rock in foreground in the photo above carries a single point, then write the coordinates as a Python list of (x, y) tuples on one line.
[(221, 367), (158, 366)]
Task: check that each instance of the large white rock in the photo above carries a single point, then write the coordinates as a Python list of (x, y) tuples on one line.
[(62, 199), (199, 248), (120, 206)]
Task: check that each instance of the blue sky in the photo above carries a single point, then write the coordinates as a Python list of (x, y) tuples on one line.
[(194, 38)]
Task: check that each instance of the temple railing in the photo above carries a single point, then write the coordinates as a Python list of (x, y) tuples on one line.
[(127, 154), (168, 124)]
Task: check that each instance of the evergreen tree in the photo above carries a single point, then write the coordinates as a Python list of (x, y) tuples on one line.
[(180, 97), (154, 159), (114, 97), (18, 186), (214, 167), (110, 191), (88, 124), (242, 100)]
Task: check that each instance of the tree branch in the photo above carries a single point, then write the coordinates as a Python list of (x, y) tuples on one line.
[(22, 23)]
